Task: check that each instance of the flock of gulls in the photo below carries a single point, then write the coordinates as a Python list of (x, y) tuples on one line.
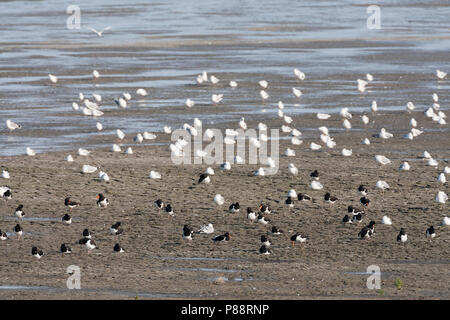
[(354, 214)]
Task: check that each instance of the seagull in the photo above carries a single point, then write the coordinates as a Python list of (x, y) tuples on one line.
[(141, 92), (382, 185), (99, 33), (263, 83), (155, 175), (410, 106), (323, 116), (30, 152), (316, 185), (88, 169), (216, 98), (384, 134), (445, 221), (369, 77), (347, 152), (362, 85), (293, 169), (296, 92), (441, 178), (382, 159), (366, 141), (83, 152), (189, 103), (219, 199), (126, 95), (233, 84), (441, 197), (214, 79), (96, 74), (300, 75), (53, 78), (206, 229), (121, 102), (365, 119), (386, 220), (441, 74), (345, 113), (264, 95), (116, 148), (99, 126), (12, 125), (5, 174), (374, 106)]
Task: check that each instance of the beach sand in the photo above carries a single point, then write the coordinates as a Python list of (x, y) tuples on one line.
[(159, 264)]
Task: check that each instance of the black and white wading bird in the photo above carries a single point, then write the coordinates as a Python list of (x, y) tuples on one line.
[(159, 204), (204, 178), (116, 229), (67, 219), (297, 237), (402, 236), (430, 233), (224, 237), (118, 248), (19, 212), (234, 207), (264, 250), (187, 232), (102, 202), (65, 248), (71, 204), (37, 253)]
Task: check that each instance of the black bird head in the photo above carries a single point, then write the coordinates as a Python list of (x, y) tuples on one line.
[(86, 233), (7, 194), (263, 238), (371, 224), (249, 210), (227, 236), (100, 197), (19, 208), (66, 217), (67, 201), (117, 247), (168, 208), (116, 225), (350, 209), (314, 174), (327, 196)]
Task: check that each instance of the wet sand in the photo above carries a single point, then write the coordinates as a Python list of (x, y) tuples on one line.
[(158, 264)]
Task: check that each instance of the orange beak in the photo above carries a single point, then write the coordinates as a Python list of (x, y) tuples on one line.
[(98, 197)]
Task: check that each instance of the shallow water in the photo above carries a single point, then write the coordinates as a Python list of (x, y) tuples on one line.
[(163, 46)]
